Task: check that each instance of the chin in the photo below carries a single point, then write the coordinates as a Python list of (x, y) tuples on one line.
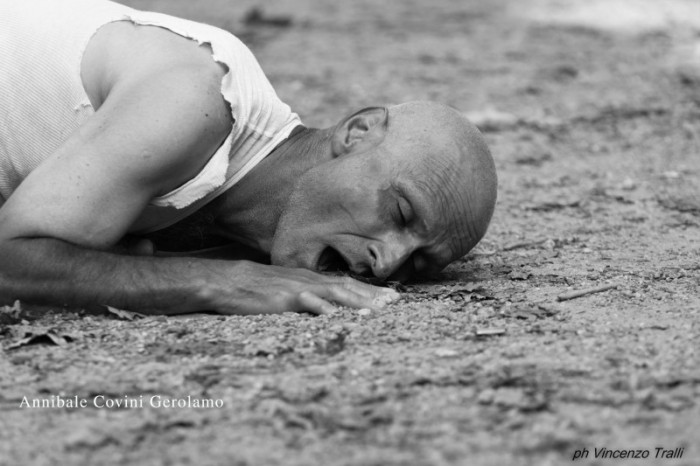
[(293, 257)]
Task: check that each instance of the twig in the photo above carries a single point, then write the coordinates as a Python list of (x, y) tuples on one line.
[(584, 292), (489, 332), (525, 244)]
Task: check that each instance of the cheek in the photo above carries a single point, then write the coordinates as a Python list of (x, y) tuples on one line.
[(334, 195), (310, 203), (336, 188)]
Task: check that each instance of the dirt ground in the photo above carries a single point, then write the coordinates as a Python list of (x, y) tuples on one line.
[(592, 111)]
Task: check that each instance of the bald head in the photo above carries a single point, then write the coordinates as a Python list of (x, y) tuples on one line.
[(447, 156), (403, 190)]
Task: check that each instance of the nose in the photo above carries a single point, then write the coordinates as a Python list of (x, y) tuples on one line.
[(387, 257)]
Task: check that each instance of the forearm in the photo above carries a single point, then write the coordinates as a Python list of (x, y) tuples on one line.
[(50, 271)]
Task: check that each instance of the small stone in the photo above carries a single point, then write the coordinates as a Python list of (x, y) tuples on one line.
[(364, 312), (337, 329), (445, 353), (488, 332), (629, 184), (486, 396), (519, 275), (388, 298), (21, 359)]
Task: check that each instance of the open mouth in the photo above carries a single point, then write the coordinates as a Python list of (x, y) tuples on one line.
[(331, 260)]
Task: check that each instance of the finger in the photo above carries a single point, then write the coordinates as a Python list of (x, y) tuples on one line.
[(379, 294), (311, 303), (348, 297), (382, 294), (365, 289)]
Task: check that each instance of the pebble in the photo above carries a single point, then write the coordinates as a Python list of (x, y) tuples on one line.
[(549, 244), (491, 331), (364, 312), (381, 301), (486, 396), (445, 353), (671, 175), (629, 184)]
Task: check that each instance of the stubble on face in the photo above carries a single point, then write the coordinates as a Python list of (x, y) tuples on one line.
[(441, 171), (338, 205)]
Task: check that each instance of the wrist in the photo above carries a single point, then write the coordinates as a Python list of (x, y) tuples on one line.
[(215, 279)]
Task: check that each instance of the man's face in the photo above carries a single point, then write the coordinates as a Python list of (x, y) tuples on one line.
[(383, 212)]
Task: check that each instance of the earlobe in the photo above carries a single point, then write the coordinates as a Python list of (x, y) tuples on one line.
[(360, 130)]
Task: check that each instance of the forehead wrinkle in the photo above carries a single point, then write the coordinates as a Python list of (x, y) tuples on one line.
[(449, 230), (442, 147), (455, 175), (458, 231), (449, 223), (431, 175), (455, 208)]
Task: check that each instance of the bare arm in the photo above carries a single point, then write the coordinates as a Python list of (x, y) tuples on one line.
[(51, 271), (156, 129)]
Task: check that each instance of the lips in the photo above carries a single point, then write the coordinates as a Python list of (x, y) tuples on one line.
[(333, 260)]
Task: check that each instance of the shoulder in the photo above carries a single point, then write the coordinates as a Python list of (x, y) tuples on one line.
[(162, 88), (124, 53)]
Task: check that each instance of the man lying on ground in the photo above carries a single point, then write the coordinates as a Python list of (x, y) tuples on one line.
[(125, 133)]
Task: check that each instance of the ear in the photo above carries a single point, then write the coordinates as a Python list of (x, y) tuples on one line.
[(360, 131)]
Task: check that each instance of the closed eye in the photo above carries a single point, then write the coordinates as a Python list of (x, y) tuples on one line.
[(405, 211), (400, 216)]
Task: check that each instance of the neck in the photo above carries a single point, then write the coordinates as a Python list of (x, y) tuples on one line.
[(250, 210)]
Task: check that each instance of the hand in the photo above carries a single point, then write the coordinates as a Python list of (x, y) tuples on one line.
[(270, 289)]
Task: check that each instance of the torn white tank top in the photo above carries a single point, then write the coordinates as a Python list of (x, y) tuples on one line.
[(42, 99)]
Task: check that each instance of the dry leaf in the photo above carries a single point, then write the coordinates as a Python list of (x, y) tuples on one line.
[(124, 315), (40, 336)]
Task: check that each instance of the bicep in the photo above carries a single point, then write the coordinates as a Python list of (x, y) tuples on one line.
[(147, 138)]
